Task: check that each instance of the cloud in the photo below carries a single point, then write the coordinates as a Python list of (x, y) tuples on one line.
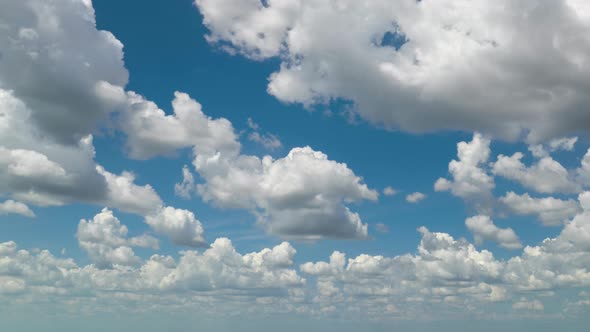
[(444, 276), (389, 191), (127, 196), (219, 275), (269, 141), (483, 228), (546, 175), (150, 132), (105, 241), (471, 180), (179, 225), (549, 210), (415, 197), (300, 195), (60, 66), (395, 71), (382, 228), (10, 206), (563, 143), (185, 188)]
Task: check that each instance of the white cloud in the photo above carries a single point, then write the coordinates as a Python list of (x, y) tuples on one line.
[(219, 275), (545, 176), (483, 228), (125, 195), (10, 206), (396, 69), (563, 143), (549, 210), (389, 191), (415, 197), (150, 132), (105, 240), (179, 225), (301, 195), (471, 180)]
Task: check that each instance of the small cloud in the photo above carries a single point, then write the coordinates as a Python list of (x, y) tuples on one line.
[(382, 228), (269, 141), (415, 197), (389, 191)]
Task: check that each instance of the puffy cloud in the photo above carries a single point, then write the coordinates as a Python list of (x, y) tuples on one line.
[(105, 240), (151, 132), (56, 62), (549, 210), (483, 228), (125, 195), (545, 176), (219, 275), (415, 197), (396, 69), (470, 180), (10, 206), (179, 225), (300, 195)]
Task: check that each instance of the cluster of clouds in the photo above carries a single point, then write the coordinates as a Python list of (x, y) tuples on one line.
[(444, 273), (473, 178), (62, 80)]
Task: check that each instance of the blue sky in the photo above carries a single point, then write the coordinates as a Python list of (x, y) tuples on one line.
[(291, 122)]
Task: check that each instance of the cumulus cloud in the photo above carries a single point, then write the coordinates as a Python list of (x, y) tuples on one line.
[(396, 69), (105, 241), (150, 132), (415, 197), (470, 179), (483, 228), (300, 195), (219, 275), (549, 210), (545, 175), (13, 207), (444, 273), (181, 226), (58, 64)]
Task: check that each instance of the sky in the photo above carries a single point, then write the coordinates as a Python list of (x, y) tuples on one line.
[(331, 165)]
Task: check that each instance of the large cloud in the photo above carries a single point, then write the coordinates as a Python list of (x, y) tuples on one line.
[(511, 72), (55, 60)]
